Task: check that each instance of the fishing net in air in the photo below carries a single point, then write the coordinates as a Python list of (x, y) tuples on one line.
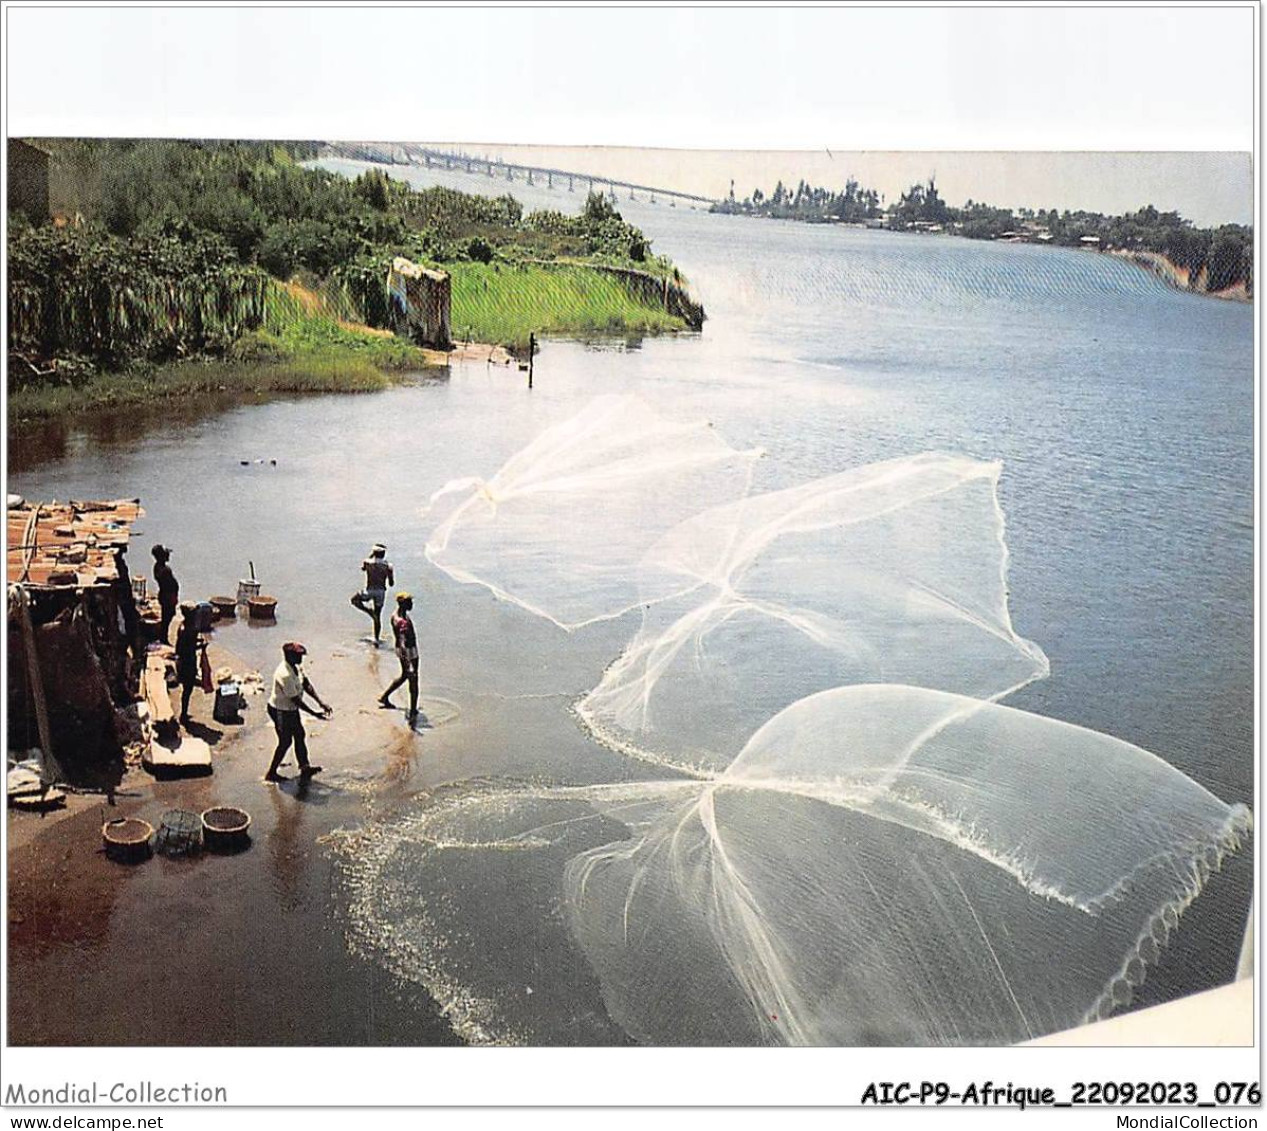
[(890, 573), (561, 527)]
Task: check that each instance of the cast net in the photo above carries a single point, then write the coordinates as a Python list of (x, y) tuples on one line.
[(874, 868), (561, 527), (890, 573)]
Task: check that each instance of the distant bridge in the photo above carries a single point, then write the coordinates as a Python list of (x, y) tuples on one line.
[(402, 154)]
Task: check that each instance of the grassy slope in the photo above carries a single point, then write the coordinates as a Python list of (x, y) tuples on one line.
[(299, 350), (304, 347), (503, 303)]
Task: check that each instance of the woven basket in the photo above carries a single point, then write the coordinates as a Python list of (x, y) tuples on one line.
[(226, 827), (225, 607), (127, 838), (262, 608)]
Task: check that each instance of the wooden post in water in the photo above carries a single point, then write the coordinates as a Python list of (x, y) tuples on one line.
[(532, 349)]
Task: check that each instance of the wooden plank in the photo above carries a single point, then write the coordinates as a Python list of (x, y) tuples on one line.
[(186, 755), (38, 537), (50, 798), (160, 702)]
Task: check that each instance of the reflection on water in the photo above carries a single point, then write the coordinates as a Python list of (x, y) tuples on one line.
[(1122, 412), (32, 444)]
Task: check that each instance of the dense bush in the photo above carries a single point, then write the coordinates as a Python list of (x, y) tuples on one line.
[(599, 230), (180, 236), (479, 250), (86, 292), (364, 282)]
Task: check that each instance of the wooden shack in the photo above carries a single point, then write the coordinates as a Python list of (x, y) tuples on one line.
[(28, 181), (421, 298), (73, 633)]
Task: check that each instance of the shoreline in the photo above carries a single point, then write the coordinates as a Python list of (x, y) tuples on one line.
[(1174, 276), (190, 379), (1178, 278), (253, 950)]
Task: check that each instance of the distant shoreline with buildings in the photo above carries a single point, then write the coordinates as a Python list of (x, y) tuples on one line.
[(1210, 261)]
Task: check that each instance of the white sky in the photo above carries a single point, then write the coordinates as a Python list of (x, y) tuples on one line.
[(949, 78), (812, 79)]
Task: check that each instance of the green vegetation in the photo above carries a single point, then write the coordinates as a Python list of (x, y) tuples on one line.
[(305, 373), (853, 205), (104, 300), (1214, 258), (497, 302), (1218, 257), (182, 250), (292, 351)]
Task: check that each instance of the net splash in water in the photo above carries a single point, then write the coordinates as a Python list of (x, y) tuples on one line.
[(895, 572), (560, 529), (871, 869)]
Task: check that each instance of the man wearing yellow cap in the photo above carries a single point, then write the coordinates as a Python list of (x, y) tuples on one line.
[(407, 653)]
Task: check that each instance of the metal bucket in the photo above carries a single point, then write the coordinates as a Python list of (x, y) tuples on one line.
[(246, 590)]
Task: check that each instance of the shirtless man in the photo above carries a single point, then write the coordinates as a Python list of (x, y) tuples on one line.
[(378, 576), (407, 653)]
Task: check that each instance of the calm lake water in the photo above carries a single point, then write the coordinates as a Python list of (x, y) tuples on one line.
[(1122, 411)]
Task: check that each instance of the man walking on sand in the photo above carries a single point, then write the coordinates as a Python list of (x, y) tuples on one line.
[(407, 653), (378, 576), (285, 702)]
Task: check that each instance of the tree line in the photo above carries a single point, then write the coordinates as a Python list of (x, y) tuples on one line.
[(173, 241), (853, 204), (1219, 257)]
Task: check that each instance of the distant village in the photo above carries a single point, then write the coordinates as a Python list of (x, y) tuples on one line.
[(1207, 260)]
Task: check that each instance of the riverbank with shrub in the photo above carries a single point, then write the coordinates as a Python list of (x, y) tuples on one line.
[(287, 353), (171, 258)]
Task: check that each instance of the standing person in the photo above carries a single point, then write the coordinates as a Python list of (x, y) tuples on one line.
[(168, 589), (189, 648), (378, 576), (407, 653), (126, 601), (286, 700)]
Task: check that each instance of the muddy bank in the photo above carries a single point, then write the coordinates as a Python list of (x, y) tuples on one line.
[(242, 949), (1180, 277)]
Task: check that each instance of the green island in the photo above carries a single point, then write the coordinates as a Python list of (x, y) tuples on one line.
[(169, 268), (1216, 261)]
